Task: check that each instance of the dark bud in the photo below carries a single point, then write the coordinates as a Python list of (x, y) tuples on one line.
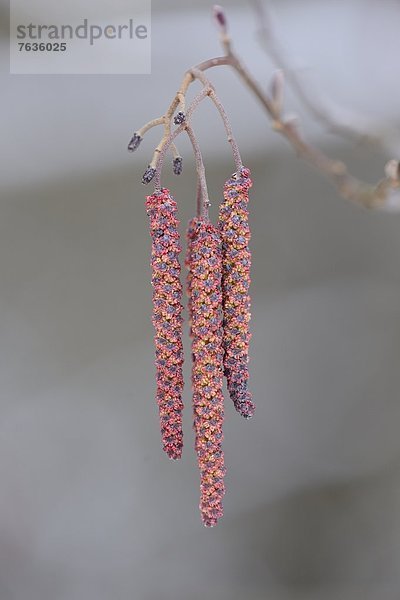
[(220, 17), (148, 175), (134, 143), (179, 118), (177, 164)]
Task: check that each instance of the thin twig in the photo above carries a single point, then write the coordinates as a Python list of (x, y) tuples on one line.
[(158, 164), (217, 102), (333, 118), (385, 193), (202, 201), (202, 193), (347, 186), (175, 151), (235, 148), (153, 123)]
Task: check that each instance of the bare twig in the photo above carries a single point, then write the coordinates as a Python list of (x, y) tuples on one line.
[(348, 187), (385, 193), (217, 102), (202, 201), (168, 141), (195, 73), (334, 118)]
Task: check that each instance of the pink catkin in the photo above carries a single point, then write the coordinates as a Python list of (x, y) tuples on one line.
[(204, 261), (235, 234), (167, 319)]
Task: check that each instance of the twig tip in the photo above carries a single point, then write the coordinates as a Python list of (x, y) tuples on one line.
[(220, 17)]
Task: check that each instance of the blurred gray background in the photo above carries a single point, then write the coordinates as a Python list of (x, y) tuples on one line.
[(90, 508)]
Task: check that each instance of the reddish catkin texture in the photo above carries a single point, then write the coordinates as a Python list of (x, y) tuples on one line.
[(235, 234), (167, 318), (192, 227), (204, 261)]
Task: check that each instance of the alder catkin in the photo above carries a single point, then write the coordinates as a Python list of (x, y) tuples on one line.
[(204, 262), (236, 262), (167, 318)]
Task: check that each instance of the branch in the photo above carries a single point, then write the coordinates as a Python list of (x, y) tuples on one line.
[(198, 74), (385, 192), (334, 118), (179, 100), (202, 198), (204, 203)]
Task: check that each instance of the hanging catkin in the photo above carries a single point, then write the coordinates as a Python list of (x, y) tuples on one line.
[(204, 261), (236, 261), (167, 319)]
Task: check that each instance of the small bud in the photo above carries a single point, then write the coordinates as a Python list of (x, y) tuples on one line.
[(179, 118), (292, 122), (177, 164), (135, 142), (392, 170), (220, 17), (148, 175)]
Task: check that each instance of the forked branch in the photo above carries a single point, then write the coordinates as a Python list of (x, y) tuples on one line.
[(385, 194)]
